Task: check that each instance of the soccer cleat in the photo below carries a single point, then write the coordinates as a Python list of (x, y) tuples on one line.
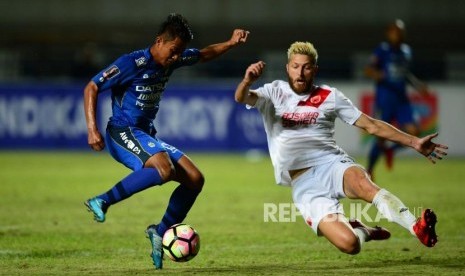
[(157, 246), (376, 233), (424, 228), (96, 206)]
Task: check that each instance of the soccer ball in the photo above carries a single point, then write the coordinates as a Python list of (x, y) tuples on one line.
[(181, 242)]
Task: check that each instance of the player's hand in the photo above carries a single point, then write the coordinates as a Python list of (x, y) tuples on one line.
[(95, 140), (254, 71), (431, 150), (238, 36)]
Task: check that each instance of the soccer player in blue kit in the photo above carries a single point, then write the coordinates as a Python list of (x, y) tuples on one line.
[(389, 68), (137, 81)]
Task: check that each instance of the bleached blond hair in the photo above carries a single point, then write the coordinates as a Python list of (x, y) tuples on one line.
[(303, 48)]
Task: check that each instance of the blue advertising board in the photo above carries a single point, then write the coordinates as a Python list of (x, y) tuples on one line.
[(203, 118)]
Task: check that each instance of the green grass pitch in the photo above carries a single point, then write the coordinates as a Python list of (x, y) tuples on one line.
[(45, 228)]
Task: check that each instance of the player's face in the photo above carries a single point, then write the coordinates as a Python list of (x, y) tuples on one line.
[(395, 35), (168, 51), (301, 71)]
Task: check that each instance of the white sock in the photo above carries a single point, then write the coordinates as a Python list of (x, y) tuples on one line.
[(362, 235), (394, 210)]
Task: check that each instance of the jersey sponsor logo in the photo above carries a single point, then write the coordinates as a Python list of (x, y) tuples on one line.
[(110, 73), (129, 143), (148, 101), (150, 97), (150, 88), (316, 98), (141, 61), (146, 105), (292, 119)]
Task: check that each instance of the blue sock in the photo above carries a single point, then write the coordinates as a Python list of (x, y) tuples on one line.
[(179, 205), (133, 183)]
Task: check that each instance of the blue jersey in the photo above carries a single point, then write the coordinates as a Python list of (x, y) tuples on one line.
[(392, 103), (394, 63), (137, 83)]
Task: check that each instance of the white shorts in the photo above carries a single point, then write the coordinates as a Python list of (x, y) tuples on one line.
[(317, 191)]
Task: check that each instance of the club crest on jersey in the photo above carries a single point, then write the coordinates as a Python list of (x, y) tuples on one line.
[(315, 99), (110, 73), (141, 61)]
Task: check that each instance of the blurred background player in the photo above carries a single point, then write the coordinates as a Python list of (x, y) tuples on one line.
[(137, 81), (299, 121), (389, 68)]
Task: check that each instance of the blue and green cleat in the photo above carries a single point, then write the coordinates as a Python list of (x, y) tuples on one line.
[(157, 247), (97, 207)]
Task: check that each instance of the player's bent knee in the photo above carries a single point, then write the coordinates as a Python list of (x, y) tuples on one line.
[(340, 235), (348, 243), (166, 173), (197, 180), (351, 246), (200, 181), (352, 249), (163, 165), (357, 185)]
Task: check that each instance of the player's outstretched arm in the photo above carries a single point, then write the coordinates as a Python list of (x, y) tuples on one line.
[(94, 137), (243, 93), (210, 52), (424, 145)]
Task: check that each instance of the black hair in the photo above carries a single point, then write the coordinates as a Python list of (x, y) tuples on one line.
[(176, 26)]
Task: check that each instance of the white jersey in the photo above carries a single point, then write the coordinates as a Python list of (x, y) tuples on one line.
[(300, 128)]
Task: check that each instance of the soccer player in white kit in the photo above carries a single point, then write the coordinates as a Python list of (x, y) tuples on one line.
[(299, 122)]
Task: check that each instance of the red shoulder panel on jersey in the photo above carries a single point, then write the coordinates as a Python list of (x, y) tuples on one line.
[(317, 97)]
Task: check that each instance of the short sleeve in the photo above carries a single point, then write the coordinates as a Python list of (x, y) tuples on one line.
[(189, 57), (345, 109), (264, 94), (407, 52), (119, 72)]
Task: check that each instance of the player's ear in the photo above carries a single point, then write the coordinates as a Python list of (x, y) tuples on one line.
[(159, 40)]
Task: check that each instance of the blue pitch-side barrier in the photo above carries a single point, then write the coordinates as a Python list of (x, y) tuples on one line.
[(190, 118)]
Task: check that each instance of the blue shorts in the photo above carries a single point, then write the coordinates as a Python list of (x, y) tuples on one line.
[(133, 147)]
